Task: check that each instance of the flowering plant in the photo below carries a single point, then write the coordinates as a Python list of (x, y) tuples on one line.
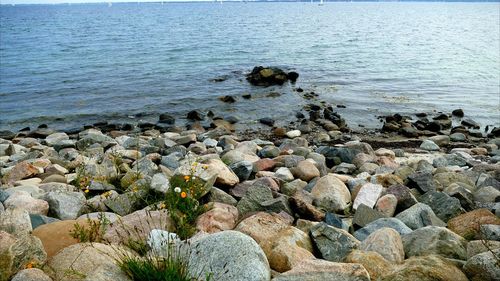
[(182, 202)]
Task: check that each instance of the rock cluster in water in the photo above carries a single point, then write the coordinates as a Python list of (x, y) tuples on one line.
[(309, 202), (268, 76)]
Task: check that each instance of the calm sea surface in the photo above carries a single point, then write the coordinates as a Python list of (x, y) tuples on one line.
[(69, 65)]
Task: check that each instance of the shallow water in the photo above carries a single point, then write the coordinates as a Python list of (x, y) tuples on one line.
[(74, 65)]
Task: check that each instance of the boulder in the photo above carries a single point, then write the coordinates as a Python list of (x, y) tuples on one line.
[(23, 200), (387, 242), (229, 255), (306, 170), (263, 228), (31, 274), (403, 195), (468, 225), (364, 215), (137, 225), (373, 262), (393, 223), (17, 252), (21, 171), (387, 204), (331, 194), (57, 235), (435, 240), (221, 217), (65, 205), (427, 268), (15, 221), (253, 199), (268, 76), (82, 261), (334, 244), (419, 215), (291, 246), (484, 266), (443, 205), (480, 246), (316, 269), (367, 195)]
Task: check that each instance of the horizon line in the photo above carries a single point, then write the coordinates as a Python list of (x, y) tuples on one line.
[(237, 1)]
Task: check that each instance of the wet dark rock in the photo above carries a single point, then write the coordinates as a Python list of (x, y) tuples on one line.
[(441, 116), (299, 90), (458, 113), (329, 114), (41, 133), (232, 119), (267, 76), (495, 132), (341, 106), (228, 99), (247, 96), (470, 123), (220, 78), (8, 135), (167, 119), (409, 132), (391, 127), (300, 115), (267, 121), (433, 126), (195, 115), (421, 115), (292, 76)]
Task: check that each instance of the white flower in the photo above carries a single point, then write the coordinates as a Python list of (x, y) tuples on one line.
[(177, 189), (194, 178)]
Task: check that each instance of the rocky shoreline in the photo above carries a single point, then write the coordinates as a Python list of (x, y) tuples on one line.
[(319, 204), (311, 200)]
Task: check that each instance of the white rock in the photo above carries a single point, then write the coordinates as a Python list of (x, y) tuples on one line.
[(368, 195), (293, 134), (284, 174), (160, 183), (159, 241)]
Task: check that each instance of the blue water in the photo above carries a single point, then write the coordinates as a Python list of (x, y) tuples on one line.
[(73, 65)]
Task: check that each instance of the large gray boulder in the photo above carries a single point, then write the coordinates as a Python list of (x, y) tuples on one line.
[(229, 255), (435, 240), (484, 266), (65, 205)]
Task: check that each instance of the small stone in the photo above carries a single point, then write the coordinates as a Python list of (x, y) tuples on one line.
[(267, 121), (284, 174), (293, 134), (429, 145)]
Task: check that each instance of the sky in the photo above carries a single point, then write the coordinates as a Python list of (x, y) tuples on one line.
[(83, 1)]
